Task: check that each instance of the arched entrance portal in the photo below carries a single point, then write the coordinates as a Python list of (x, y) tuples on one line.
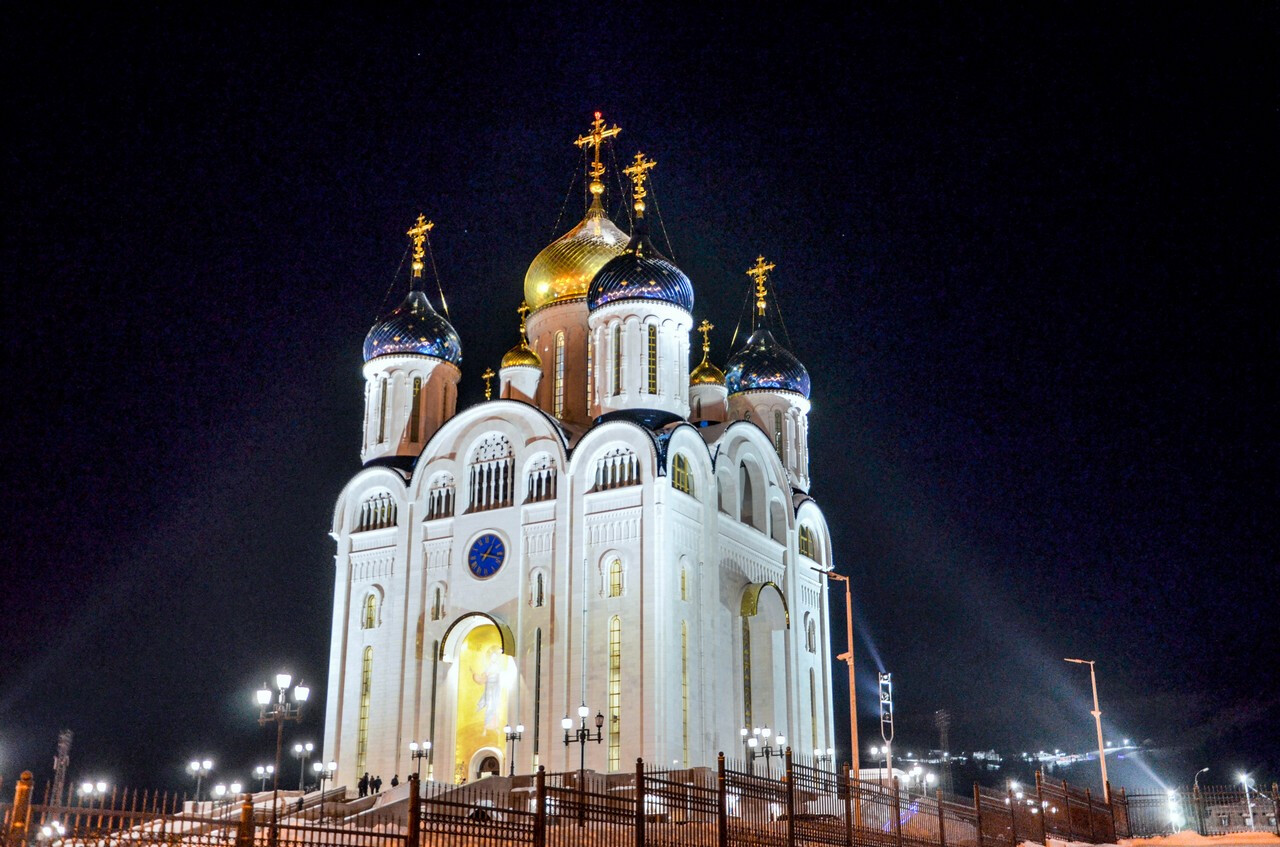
[(486, 676), (765, 621)]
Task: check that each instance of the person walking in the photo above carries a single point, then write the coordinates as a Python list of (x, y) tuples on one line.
[(395, 780), (363, 784), (377, 784)]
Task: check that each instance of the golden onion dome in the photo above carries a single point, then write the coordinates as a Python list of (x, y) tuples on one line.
[(706, 374), (564, 269), (521, 355)]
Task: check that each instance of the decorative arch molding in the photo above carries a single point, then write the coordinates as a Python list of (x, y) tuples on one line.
[(751, 599), (460, 628)]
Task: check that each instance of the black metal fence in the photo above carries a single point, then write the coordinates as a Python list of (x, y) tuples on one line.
[(1208, 810), (786, 802)]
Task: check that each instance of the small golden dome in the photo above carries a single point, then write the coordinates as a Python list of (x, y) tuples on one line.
[(564, 269), (520, 355), (706, 374)]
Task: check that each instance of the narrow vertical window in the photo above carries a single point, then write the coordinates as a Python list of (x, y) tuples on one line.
[(537, 692), (684, 685), (746, 673), (615, 691), (382, 414), (591, 374), (415, 411), (813, 707), (539, 591), (371, 611), (558, 375), (362, 731), (615, 578), (777, 432), (807, 545), (653, 359), (680, 474), (617, 359), (684, 583)]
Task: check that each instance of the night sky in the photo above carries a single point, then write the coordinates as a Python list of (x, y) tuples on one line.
[(1023, 254)]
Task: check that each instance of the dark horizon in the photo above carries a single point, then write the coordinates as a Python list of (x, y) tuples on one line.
[(1021, 252)]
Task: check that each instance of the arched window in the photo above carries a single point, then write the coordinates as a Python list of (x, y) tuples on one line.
[(653, 359), (558, 376), (440, 497), (378, 511), (541, 482), (680, 477), (492, 468), (615, 691), (810, 635), (777, 432), (617, 468), (747, 513), (369, 619), (539, 589), (615, 578), (808, 545), (362, 730), (617, 359), (382, 414), (437, 603), (813, 707), (415, 411), (684, 583)]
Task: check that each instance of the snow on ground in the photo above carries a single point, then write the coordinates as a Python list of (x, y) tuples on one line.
[(1191, 838)]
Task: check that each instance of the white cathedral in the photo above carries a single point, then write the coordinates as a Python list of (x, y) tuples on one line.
[(614, 541)]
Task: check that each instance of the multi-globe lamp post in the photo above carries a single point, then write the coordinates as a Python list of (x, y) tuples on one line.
[(580, 737), (262, 772), (284, 703), (224, 794), (513, 734), (302, 752), (323, 772), (199, 768), (418, 752), (758, 746)]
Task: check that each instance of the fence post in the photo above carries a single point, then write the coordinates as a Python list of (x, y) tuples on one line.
[(977, 813), (413, 832), (21, 811), (1275, 805), (942, 823), (848, 807), (1043, 811), (791, 800), (1088, 800), (897, 813), (1066, 802), (1013, 819), (244, 831), (540, 808), (639, 802), (722, 804)]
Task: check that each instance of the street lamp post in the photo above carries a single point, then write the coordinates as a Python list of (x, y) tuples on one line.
[(580, 737), (1248, 804), (1097, 720), (199, 768), (513, 735), (847, 658), (226, 793), (303, 752), (324, 772), (766, 751), (820, 755), (261, 772), (277, 707), (418, 752)]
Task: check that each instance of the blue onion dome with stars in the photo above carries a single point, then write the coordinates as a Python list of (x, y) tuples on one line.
[(414, 327), (765, 365), (640, 272)]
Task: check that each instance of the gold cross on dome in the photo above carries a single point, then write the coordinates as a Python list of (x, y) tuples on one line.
[(760, 273), (594, 139), (522, 311), (638, 170), (418, 232), (705, 328), (486, 376)]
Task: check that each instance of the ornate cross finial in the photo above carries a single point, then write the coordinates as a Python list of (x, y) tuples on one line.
[(638, 170), (523, 311), (594, 139), (760, 273), (486, 376), (705, 328), (418, 232)]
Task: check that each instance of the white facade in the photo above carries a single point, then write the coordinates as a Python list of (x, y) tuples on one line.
[(663, 578)]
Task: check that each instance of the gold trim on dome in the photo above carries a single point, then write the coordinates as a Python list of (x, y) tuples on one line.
[(706, 373), (522, 354)]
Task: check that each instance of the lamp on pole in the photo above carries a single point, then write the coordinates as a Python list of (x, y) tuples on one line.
[(580, 737), (847, 658), (1097, 719), (758, 750), (513, 735), (303, 752), (261, 772), (325, 772), (418, 752), (1248, 804), (277, 706), (1195, 783), (199, 768), (886, 722)]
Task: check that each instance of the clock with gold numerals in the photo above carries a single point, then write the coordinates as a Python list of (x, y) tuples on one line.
[(486, 555)]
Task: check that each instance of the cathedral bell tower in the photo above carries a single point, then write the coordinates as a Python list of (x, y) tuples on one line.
[(641, 311), (768, 386), (411, 371)]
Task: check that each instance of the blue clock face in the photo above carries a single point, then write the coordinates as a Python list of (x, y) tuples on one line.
[(486, 556)]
